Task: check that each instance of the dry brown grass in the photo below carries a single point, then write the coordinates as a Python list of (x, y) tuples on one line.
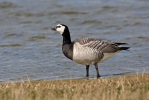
[(134, 87)]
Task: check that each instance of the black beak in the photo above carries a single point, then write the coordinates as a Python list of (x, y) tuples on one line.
[(54, 29)]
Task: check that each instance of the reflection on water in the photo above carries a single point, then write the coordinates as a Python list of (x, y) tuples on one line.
[(29, 49)]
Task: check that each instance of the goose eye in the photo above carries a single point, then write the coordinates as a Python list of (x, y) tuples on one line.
[(58, 26)]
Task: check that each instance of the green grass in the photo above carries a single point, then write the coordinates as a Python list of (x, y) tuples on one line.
[(133, 87)]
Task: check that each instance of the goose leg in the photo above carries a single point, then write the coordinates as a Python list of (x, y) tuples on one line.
[(96, 67), (87, 70)]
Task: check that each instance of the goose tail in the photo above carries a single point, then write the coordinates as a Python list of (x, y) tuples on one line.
[(124, 48)]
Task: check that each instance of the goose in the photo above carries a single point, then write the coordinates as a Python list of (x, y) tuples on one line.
[(87, 51)]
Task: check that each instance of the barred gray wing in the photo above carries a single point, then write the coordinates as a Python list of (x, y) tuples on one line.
[(99, 45)]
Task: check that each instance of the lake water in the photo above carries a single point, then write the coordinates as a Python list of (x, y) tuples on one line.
[(30, 50)]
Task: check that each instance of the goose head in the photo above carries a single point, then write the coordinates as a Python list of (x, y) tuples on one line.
[(61, 28)]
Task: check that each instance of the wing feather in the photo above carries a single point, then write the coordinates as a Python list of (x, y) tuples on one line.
[(99, 45)]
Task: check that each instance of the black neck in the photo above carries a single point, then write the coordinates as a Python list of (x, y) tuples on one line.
[(66, 36), (67, 47)]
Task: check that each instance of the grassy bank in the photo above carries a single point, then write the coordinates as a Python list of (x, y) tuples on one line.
[(134, 87)]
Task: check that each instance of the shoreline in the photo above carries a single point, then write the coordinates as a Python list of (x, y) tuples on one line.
[(65, 79)]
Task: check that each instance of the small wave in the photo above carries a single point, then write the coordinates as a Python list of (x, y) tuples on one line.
[(6, 4), (34, 38), (11, 45)]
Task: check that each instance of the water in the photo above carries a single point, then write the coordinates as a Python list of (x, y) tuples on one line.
[(29, 49)]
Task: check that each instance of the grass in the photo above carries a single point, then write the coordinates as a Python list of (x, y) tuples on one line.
[(133, 87)]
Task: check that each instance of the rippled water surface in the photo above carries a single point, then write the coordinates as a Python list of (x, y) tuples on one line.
[(29, 49)]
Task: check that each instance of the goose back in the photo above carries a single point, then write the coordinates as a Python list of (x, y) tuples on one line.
[(99, 45)]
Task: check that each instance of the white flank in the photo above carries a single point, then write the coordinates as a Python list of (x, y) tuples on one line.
[(108, 55)]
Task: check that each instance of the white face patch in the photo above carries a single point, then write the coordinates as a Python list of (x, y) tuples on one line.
[(60, 28)]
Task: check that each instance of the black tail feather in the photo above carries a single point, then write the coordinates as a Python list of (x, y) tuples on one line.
[(121, 43), (124, 48)]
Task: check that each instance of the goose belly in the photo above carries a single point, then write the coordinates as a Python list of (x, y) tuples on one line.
[(85, 56), (85, 59)]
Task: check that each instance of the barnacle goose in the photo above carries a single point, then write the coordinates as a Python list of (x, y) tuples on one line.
[(87, 51)]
